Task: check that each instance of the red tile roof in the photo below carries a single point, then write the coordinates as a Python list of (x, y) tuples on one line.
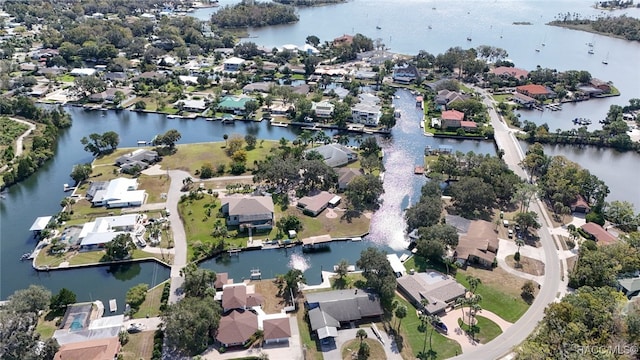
[(452, 115), (468, 124), (101, 349), (234, 297), (533, 89), (602, 236)]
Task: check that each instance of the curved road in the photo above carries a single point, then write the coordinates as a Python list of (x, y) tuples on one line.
[(179, 236), (555, 276), (20, 139)]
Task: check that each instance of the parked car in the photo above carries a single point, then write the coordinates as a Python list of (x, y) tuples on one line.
[(510, 232), (440, 326)]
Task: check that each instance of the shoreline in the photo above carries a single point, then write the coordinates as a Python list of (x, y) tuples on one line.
[(47, 268)]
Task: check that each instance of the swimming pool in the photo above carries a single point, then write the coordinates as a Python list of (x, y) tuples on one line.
[(78, 322)]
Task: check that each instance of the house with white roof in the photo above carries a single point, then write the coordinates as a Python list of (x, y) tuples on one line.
[(95, 234), (322, 109), (310, 50), (120, 192), (233, 64), (366, 113), (83, 72)]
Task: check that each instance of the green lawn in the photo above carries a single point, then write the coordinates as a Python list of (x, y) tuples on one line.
[(508, 306), (413, 337), (488, 329), (66, 78), (420, 264), (197, 224), (151, 304), (305, 336), (375, 348), (501, 97)]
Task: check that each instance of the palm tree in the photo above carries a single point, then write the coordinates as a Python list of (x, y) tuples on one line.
[(358, 139), (225, 137), (401, 313), (473, 283), (361, 334), (447, 262), (519, 243), (343, 268), (428, 319), (342, 139), (186, 182)]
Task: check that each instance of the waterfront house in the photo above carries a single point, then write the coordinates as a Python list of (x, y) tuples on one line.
[(343, 40), (598, 233), (508, 72), (345, 175), (335, 155), (314, 204), (99, 349), (309, 50), (261, 86), (363, 113), (479, 245), (234, 104), (437, 289), (83, 322), (451, 119), (405, 73), (254, 212), (602, 85), (322, 109), (580, 205), (137, 156), (329, 310), (446, 97), (119, 192), (193, 105), (97, 233), (240, 297), (233, 64), (110, 95), (536, 91), (524, 100), (237, 327), (468, 126), (222, 279)]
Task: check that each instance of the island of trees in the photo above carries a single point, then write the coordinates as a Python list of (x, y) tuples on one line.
[(619, 26), (255, 14)]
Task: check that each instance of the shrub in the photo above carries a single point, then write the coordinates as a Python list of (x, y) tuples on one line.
[(595, 217)]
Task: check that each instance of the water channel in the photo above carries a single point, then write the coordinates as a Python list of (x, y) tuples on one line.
[(488, 23)]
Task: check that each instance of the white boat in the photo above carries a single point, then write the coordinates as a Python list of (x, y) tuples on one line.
[(113, 306)]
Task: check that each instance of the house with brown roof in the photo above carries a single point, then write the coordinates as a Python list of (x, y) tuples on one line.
[(469, 125), (599, 234), (222, 279), (536, 91), (431, 290), (236, 328), (580, 205), (238, 296), (100, 349), (479, 245), (343, 40), (313, 205), (507, 72), (602, 85), (254, 212), (345, 175), (446, 97), (451, 119), (276, 330), (524, 100)]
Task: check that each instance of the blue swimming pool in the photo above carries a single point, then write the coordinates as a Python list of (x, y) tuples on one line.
[(78, 322)]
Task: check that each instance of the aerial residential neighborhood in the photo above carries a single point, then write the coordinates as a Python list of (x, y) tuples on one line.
[(319, 180)]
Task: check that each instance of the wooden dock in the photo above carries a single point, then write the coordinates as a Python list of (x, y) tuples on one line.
[(113, 306)]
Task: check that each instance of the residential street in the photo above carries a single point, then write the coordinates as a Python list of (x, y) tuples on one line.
[(555, 278)]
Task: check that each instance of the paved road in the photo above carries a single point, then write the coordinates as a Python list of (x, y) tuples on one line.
[(179, 236), (553, 283)]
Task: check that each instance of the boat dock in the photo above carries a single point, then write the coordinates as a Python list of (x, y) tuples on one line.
[(255, 274), (233, 252), (113, 306)]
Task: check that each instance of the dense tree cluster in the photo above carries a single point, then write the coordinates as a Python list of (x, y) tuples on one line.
[(482, 181), (19, 317), (119, 248), (581, 323), (44, 140), (435, 240), (427, 211), (602, 265), (100, 144), (622, 26), (378, 273), (308, 2), (561, 180), (255, 14)]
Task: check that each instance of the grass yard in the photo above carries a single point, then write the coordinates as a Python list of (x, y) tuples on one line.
[(151, 304), (47, 324), (321, 224), (305, 335), (527, 265), (197, 224), (351, 347), (488, 329), (500, 291), (350, 281), (420, 264), (191, 157), (502, 97), (414, 338), (155, 186), (139, 346)]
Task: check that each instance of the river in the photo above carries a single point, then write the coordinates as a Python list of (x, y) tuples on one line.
[(451, 23)]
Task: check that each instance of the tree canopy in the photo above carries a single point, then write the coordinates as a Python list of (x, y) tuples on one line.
[(120, 247), (378, 273), (191, 324), (100, 144)]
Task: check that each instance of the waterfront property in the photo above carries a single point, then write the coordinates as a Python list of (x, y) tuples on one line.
[(95, 234), (599, 234), (405, 73), (478, 244), (536, 91), (322, 109), (335, 155), (84, 322), (314, 204), (255, 212), (446, 97), (117, 193), (40, 224), (329, 310), (240, 297), (234, 104), (507, 72), (276, 330), (233, 64), (431, 291), (580, 205), (345, 176), (236, 328), (99, 349), (139, 157), (367, 114)]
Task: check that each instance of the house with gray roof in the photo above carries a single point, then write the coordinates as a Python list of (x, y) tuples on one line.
[(254, 212), (137, 156), (335, 155), (430, 290), (330, 309), (261, 86), (345, 175), (629, 286)]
